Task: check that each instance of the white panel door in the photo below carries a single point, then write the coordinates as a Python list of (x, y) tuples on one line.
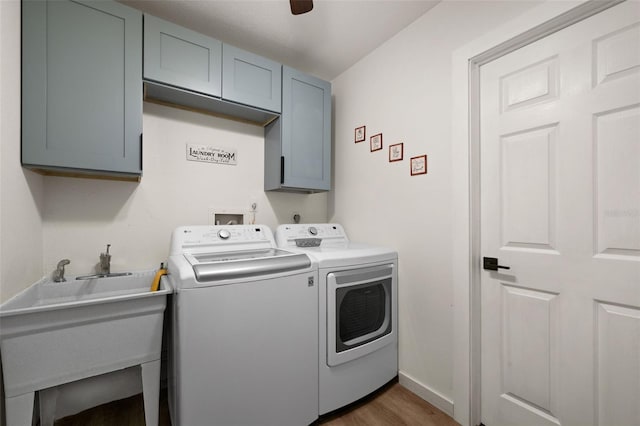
[(560, 194)]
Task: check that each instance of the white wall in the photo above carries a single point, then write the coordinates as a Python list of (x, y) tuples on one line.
[(403, 90), (81, 216), (21, 191)]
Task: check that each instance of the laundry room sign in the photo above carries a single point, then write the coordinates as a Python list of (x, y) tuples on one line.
[(210, 154)]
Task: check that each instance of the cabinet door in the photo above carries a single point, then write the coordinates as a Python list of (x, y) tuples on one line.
[(251, 79), (180, 57), (306, 131), (81, 86)]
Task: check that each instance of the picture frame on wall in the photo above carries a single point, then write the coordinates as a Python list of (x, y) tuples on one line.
[(396, 152), (360, 134), (419, 165), (376, 142)]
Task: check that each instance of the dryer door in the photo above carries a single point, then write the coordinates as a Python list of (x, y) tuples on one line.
[(359, 312)]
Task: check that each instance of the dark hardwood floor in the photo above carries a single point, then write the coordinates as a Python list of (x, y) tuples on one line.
[(124, 412), (393, 405)]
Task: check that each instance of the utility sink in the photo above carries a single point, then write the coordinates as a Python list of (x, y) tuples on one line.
[(47, 295), (54, 333)]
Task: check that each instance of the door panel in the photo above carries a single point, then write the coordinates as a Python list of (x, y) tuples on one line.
[(560, 194), (617, 54), (533, 84), (306, 130), (530, 325), (528, 188), (81, 86), (617, 364), (251, 79), (617, 164), (180, 57)]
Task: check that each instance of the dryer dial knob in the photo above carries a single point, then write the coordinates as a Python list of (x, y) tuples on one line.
[(313, 230), (223, 234)]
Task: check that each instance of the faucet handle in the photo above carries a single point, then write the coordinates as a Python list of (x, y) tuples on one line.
[(105, 254), (105, 262), (58, 274)]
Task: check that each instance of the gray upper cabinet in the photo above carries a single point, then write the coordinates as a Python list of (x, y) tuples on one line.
[(180, 57), (82, 88), (190, 70), (298, 144), (250, 79)]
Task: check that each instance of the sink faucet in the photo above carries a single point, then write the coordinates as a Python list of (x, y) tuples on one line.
[(58, 274), (105, 262)]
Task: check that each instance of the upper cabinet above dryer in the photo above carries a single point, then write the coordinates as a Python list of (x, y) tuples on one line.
[(251, 79), (297, 151), (182, 58)]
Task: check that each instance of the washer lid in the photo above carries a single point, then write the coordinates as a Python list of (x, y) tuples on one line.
[(242, 264)]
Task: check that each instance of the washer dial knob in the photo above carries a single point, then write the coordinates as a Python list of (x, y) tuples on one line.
[(313, 230), (223, 234)]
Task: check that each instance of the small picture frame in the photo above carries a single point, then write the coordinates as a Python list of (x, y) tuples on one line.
[(376, 142), (396, 152), (419, 165), (360, 134)]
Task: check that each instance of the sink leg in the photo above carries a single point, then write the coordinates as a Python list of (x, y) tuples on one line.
[(19, 409), (48, 401), (151, 391)]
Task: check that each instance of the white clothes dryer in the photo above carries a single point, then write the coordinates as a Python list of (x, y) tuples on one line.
[(244, 339), (357, 312)]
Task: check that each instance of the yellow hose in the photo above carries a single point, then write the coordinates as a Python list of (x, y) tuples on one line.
[(156, 280)]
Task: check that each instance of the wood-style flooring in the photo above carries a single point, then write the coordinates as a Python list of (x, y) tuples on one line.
[(393, 405)]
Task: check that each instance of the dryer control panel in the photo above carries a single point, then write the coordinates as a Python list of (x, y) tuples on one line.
[(310, 235)]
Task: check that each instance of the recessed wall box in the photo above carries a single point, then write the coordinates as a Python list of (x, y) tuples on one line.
[(228, 217)]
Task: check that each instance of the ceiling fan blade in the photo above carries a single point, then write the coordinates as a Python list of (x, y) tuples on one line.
[(299, 7)]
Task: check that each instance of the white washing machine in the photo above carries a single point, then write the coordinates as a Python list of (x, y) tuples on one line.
[(358, 314), (244, 340)]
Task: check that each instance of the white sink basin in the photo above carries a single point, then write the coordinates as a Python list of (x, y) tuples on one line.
[(47, 295), (54, 333)]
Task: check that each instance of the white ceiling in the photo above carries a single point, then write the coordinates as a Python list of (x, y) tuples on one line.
[(324, 42)]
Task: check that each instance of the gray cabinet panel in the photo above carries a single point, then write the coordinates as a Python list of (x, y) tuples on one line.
[(273, 179), (81, 86), (298, 145), (180, 57), (172, 96), (251, 79)]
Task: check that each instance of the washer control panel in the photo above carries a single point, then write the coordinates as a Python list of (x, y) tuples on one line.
[(220, 237)]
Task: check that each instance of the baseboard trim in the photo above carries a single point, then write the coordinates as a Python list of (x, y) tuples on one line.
[(423, 391)]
